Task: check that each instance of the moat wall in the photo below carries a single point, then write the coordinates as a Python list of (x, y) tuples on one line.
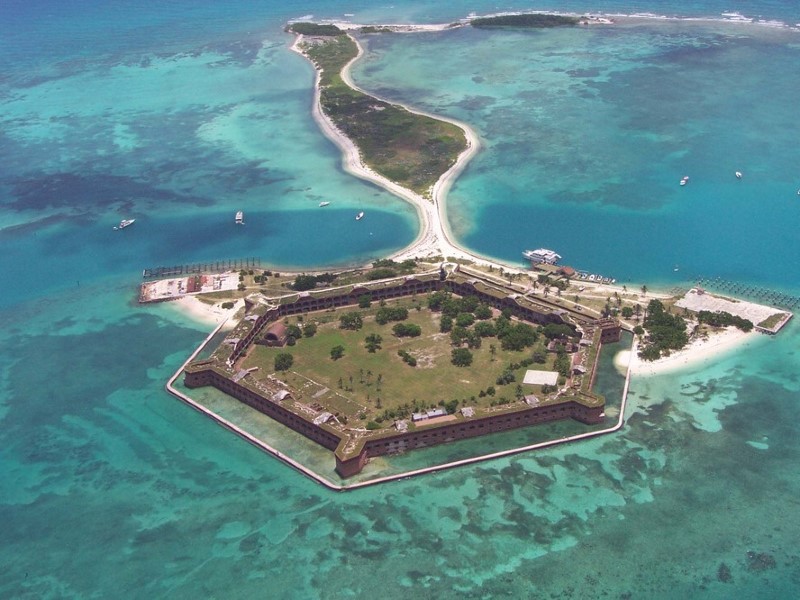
[(399, 442), (469, 428)]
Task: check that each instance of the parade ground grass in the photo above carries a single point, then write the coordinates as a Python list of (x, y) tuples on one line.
[(369, 383)]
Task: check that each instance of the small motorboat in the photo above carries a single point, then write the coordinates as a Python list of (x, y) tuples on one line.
[(323, 204), (738, 174), (124, 223), (360, 216), (685, 180)]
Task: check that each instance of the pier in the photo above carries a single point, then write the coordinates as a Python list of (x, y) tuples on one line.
[(753, 292), (219, 266)]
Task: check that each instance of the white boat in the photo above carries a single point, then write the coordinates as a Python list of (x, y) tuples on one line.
[(239, 217), (685, 180), (324, 203), (738, 174), (542, 255), (360, 216), (124, 223)]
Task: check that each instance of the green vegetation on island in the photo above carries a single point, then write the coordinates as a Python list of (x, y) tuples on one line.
[(724, 319), (536, 20), (407, 148), (665, 332), (314, 29)]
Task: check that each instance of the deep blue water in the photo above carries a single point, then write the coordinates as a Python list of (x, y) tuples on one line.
[(181, 113)]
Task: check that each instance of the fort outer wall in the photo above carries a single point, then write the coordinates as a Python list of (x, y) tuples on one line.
[(199, 375), (202, 373), (464, 429)]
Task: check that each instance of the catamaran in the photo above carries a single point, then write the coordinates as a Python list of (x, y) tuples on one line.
[(239, 217)]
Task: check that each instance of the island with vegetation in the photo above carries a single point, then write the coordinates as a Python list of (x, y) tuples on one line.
[(408, 148), (434, 344), (527, 20)]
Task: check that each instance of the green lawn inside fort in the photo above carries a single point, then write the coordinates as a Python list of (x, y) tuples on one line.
[(378, 386)]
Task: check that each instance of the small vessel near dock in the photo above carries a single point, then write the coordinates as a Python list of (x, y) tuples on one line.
[(542, 255), (360, 216), (321, 204), (239, 217), (124, 223)]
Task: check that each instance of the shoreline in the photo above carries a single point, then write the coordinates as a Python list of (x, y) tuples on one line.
[(202, 312), (698, 353), (434, 237)]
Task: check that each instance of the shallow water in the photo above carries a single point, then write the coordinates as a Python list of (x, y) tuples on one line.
[(183, 113)]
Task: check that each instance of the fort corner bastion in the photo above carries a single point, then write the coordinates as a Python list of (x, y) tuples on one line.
[(318, 410)]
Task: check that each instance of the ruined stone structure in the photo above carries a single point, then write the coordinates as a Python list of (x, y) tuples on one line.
[(352, 452)]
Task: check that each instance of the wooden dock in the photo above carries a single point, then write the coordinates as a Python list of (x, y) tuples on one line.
[(750, 292), (219, 266)]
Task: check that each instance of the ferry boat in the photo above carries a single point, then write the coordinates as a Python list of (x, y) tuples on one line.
[(542, 255), (360, 216), (324, 204), (124, 223), (239, 217)]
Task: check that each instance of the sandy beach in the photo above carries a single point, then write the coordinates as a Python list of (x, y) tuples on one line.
[(434, 237), (202, 312), (698, 353)]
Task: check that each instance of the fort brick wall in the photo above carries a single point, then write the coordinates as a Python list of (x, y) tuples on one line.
[(204, 374)]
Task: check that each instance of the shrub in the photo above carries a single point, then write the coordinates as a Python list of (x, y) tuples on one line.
[(465, 319), (351, 320), (283, 361), (304, 282), (461, 357), (406, 330), (381, 273), (389, 313), (407, 358), (373, 342)]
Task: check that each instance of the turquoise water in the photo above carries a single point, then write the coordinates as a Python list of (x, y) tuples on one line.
[(179, 114)]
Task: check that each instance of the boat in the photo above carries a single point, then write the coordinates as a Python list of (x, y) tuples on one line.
[(360, 216), (542, 255), (324, 203), (239, 217), (124, 223), (738, 174), (685, 180)]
